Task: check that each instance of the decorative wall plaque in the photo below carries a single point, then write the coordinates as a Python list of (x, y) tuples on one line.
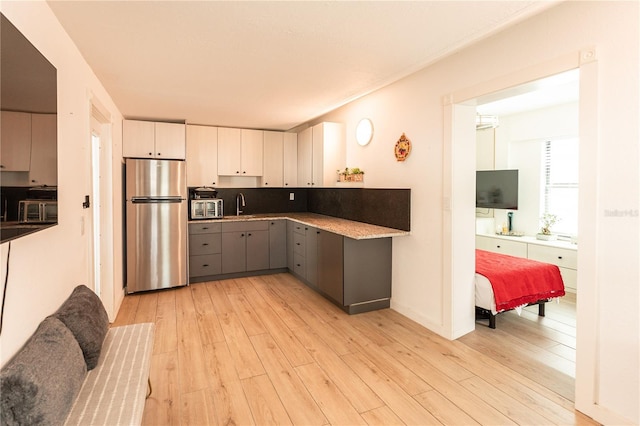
[(402, 148)]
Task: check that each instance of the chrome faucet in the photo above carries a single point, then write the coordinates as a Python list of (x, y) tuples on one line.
[(239, 203)]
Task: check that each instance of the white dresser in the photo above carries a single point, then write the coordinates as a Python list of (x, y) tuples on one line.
[(561, 253)]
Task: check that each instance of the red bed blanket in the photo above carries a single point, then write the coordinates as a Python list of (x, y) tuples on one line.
[(517, 281)]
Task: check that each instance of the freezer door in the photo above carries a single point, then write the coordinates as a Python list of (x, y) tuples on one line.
[(155, 178), (156, 245)]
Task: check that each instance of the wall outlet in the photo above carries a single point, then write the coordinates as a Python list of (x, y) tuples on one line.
[(292, 196)]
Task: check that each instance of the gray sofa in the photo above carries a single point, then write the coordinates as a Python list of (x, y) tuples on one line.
[(74, 369)]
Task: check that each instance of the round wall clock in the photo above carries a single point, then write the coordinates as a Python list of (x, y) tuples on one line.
[(402, 148)]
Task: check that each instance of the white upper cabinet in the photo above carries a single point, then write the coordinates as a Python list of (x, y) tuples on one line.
[(202, 155), (44, 165), (321, 153), (16, 141), (305, 157), (148, 139), (273, 171), (290, 160), (240, 152)]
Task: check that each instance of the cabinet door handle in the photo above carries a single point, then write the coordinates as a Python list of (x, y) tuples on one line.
[(159, 154), (205, 265), (204, 228), (244, 171), (297, 244), (498, 246), (242, 235), (205, 244), (560, 257), (248, 235), (151, 153)]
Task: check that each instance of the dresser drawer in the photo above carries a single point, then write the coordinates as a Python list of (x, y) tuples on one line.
[(205, 244), (570, 278), (204, 228), (203, 265), (565, 258), (499, 245), (299, 241)]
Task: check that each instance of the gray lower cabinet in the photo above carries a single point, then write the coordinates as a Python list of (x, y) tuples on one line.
[(277, 244), (355, 274), (205, 246), (245, 246), (305, 257)]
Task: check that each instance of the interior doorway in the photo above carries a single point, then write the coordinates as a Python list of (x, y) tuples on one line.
[(460, 269)]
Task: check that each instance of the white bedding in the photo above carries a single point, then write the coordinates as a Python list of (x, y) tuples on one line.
[(484, 294)]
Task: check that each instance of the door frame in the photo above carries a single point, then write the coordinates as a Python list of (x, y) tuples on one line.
[(458, 270)]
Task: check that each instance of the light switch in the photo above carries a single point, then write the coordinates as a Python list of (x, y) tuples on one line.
[(292, 196)]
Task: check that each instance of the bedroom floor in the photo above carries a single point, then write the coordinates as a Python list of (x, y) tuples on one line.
[(269, 350), (540, 348)]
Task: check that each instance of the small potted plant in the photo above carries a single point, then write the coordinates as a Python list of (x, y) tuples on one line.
[(350, 175), (547, 220)]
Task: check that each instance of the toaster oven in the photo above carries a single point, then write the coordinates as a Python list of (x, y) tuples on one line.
[(37, 211), (206, 208)]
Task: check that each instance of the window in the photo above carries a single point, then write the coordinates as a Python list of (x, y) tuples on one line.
[(560, 177)]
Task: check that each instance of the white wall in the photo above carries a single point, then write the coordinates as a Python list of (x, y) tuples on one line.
[(519, 143), (46, 266), (608, 334)]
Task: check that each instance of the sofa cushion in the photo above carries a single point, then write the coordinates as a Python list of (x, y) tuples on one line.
[(39, 384), (84, 314)]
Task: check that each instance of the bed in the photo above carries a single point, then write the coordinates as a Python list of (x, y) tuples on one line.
[(504, 283)]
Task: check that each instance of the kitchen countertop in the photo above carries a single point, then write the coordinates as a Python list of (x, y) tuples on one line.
[(344, 227)]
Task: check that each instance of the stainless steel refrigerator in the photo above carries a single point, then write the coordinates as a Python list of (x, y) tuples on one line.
[(156, 224)]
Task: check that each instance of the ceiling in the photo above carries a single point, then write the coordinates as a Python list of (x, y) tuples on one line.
[(268, 64)]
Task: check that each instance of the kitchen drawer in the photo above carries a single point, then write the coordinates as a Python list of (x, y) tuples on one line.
[(204, 265), (299, 265), (565, 258), (299, 228), (205, 244), (204, 228), (250, 225), (499, 245), (299, 241)]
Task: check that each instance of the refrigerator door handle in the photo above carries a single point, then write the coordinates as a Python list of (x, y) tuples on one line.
[(153, 200)]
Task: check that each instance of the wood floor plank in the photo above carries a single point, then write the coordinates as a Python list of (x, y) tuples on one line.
[(190, 357), (247, 314), (197, 408), (449, 388), (361, 396), (332, 402), (382, 416), (147, 307), (265, 285), (265, 404), (230, 404), (245, 359), (219, 299), (444, 410), (166, 332), (402, 331), (127, 313), (285, 338), (163, 405), (403, 405), (208, 323), (503, 402), (300, 405)]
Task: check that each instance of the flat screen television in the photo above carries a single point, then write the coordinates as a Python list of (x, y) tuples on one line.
[(497, 189)]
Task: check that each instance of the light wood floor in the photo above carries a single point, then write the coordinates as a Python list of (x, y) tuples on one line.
[(269, 350)]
